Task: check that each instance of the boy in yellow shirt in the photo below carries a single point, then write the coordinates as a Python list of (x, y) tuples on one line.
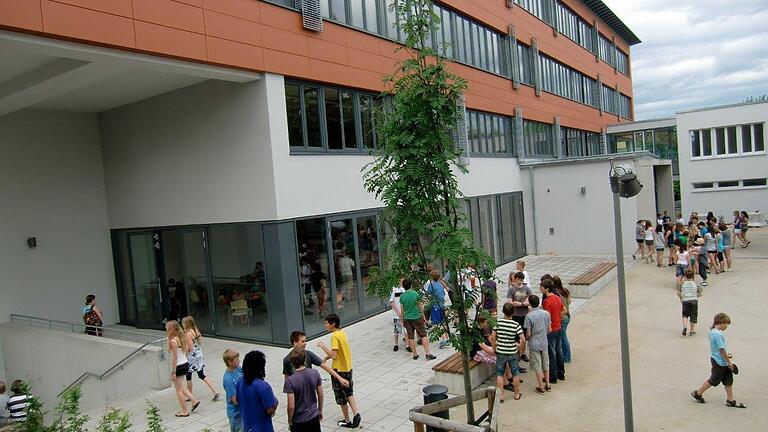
[(342, 364)]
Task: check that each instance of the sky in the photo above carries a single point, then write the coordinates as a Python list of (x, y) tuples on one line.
[(695, 53)]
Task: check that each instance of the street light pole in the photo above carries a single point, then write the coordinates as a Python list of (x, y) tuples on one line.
[(626, 376)]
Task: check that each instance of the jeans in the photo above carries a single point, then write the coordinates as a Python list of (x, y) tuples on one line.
[(236, 424), (556, 363), (564, 340)]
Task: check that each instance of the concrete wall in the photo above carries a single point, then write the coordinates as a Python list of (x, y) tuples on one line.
[(583, 224), (56, 359), (665, 194), (53, 189), (722, 168), (646, 200), (192, 156)]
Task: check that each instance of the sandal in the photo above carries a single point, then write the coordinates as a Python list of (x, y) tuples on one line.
[(734, 404), (194, 407), (178, 414), (695, 394), (539, 390), (520, 395), (547, 387), (216, 397)]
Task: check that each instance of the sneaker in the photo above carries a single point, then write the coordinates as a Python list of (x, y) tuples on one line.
[(395, 348), (408, 349), (356, 421), (343, 423), (685, 331), (416, 357), (704, 283), (444, 343), (524, 358), (634, 257), (509, 387), (216, 397), (430, 357)]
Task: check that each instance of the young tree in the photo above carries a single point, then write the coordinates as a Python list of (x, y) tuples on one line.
[(414, 174)]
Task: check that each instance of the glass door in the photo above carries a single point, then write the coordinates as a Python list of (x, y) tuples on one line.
[(144, 248), (368, 253), (346, 296)]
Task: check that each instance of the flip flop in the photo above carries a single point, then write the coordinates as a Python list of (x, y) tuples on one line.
[(519, 395), (178, 414), (194, 407), (548, 387), (539, 390), (734, 404)]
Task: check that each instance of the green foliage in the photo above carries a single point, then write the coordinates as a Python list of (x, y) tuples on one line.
[(35, 415), (67, 416), (114, 420), (154, 420)]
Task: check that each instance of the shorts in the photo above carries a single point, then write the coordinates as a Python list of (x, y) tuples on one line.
[(691, 310), (502, 360), (720, 256), (680, 270), (340, 393), (416, 326), (744, 229), (200, 374), (236, 424), (539, 360), (720, 374), (649, 242), (659, 249), (640, 241), (737, 230), (397, 326), (312, 425), (182, 369)]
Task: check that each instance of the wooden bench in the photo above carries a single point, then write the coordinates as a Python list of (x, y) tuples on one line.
[(450, 371), (593, 274)]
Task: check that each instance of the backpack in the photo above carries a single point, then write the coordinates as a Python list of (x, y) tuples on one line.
[(91, 320)]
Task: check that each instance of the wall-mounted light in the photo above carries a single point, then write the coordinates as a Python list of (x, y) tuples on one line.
[(32, 242), (583, 190)]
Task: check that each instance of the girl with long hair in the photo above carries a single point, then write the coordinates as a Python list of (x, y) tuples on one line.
[(92, 317), (196, 361), (179, 347), (255, 396), (744, 219), (565, 316)]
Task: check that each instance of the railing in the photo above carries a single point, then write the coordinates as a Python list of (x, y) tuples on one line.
[(110, 332)]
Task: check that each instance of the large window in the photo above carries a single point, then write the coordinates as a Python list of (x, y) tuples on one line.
[(625, 106), (538, 139), (622, 62), (525, 64), (577, 142), (348, 121), (606, 50), (609, 99), (574, 27), (728, 141), (489, 134), (564, 81)]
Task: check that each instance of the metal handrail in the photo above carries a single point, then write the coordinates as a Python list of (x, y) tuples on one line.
[(113, 368), (77, 328)]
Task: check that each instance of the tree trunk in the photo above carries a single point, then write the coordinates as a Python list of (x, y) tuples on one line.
[(458, 299)]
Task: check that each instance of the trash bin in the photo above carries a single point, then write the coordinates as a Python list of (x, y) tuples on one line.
[(434, 393)]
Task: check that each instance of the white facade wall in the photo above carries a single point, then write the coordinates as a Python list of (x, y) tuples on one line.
[(721, 168), (53, 189), (193, 156), (582, 224)]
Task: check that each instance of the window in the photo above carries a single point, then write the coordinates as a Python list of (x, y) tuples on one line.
[(754, 182), (609, 99), (727, 184), (720, 140), (706, 142), (732, 144), (537, 138), (348, 118), (489, 134), (525, 63), (704, 185), (759, 137), (573, 26), (746, 138), (695, 144), (575, 142), (622, 62), (625, 106)]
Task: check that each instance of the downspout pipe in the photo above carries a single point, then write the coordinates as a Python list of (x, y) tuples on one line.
[(533, 211)]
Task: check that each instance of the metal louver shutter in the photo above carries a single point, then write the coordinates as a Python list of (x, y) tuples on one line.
[(461, 131), (311, 16)]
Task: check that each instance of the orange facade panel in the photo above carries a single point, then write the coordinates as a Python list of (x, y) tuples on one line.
[(263, 37)]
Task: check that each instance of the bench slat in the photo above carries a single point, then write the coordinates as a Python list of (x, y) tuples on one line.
[(594, 273), (453, 365)]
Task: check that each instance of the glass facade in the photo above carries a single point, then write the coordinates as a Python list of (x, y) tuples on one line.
[(239, 280), (538, 139), (564, 81), (489, 134), (576, 142), (728, 140), (660, 141)]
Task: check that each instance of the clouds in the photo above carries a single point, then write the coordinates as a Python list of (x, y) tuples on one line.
[(695, 53)]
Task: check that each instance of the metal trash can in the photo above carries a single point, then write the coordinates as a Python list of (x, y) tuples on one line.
[(434, 393)]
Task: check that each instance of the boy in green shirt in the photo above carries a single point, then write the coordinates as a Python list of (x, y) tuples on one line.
[(411, 304)]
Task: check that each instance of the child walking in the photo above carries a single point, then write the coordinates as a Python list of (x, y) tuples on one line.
[(660, 245), (233, 374), (689, 292), (722, 368), (196, 360)]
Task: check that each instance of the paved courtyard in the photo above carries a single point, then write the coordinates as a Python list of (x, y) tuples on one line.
[(665, 366)]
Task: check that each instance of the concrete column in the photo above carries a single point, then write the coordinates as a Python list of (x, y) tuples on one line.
[(536, 66), (603, 142), (596, 41), (601, 102), (514, 60), (557, 133)]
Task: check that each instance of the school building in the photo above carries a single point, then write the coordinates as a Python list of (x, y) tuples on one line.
[(181, 156), (718, 156)]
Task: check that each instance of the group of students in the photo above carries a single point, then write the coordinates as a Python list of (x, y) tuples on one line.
[(13, 407), (251, 402)]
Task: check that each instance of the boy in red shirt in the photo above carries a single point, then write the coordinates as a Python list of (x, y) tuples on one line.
[(554, 305)]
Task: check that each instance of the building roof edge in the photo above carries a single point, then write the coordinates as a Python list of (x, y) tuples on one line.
[(610, 18)]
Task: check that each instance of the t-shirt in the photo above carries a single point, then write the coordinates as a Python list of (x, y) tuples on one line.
[(519, 295), (717, 341), (649, 234), (710, 243), (537, 322), (689, 290), (254, 400), (230, 381), (303, 385), (703, 259), (489, 295), (410, 302), (683, 259), (345, 265), (3, 407), (507, 333), (17, 407), (395, 297), (554, 306), (312, 359), (527, 278), (476, 344), (639, 232), (726, 235), (720, 243), (339, 343), (436, 292), (660, 240)]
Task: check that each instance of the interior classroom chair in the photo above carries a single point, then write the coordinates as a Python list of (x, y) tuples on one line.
[(240, 309)]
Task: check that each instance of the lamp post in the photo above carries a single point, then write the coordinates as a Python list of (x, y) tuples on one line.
[(623, 184)]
